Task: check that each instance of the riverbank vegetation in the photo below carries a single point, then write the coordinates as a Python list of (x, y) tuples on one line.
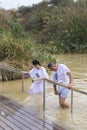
[(38, 31)]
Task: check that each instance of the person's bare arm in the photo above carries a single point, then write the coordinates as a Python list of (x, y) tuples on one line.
[(70, 79), (25, 74), (55, 90)]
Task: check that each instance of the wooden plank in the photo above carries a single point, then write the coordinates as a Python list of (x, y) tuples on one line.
[(4, 126), (25, 114), (25, 117), (23, 121), (1, 128), (11, 126), (19, 123), (11, 118)]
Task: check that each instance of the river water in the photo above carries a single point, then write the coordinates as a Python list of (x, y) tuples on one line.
[(77, 120)]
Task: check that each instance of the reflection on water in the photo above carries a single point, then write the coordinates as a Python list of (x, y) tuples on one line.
[(74, 121)]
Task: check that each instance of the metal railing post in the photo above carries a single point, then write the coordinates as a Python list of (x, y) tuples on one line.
[(22, 82), (71, 101), (56, 83), (44, 98)]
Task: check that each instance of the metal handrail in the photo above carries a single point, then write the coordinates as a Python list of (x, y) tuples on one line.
[(10, 68), (65, 86), (56, 83)]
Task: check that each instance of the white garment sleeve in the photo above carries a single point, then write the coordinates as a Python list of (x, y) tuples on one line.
[(44, 73), (32, 73), (53, 76), (65, 68)]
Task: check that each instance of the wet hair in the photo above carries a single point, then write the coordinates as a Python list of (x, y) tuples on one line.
[(36, 62), (51, 64)]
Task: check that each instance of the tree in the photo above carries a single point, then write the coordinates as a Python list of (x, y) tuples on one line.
[(60, 2)]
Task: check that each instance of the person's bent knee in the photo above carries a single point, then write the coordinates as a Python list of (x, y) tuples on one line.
[(64, 105)]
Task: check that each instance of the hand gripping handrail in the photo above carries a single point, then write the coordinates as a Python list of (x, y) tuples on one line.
[(65, 86), (56, 83)]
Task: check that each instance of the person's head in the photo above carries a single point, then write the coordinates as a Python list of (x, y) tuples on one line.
[(36, 63), (52, 66)]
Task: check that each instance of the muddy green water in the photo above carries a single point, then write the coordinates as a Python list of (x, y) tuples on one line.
[(75, 121)]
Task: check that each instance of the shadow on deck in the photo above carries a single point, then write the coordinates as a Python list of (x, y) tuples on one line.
[(14, 116)]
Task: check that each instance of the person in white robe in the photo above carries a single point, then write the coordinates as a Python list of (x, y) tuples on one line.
[(37, 72)]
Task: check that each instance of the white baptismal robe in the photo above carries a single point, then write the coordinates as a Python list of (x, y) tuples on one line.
[(37, 86)]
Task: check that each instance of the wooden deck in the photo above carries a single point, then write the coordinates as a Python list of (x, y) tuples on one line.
[(14, 116)]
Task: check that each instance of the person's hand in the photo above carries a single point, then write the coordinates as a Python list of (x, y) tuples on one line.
[(70, 85), (56, 92), (25, 74)]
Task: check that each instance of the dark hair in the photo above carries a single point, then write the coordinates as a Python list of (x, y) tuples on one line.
[(36, 62), (51, 64)]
